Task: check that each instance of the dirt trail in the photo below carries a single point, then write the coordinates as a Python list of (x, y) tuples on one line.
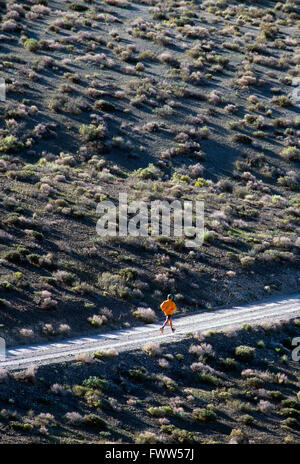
[(287, 307)]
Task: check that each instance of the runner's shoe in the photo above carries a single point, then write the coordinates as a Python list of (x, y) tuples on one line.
[(173, 330), (161, 330)]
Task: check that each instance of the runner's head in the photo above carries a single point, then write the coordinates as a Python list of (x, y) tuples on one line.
[(170, 296)]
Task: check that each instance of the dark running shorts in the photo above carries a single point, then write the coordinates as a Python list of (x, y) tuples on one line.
[(169, 317)]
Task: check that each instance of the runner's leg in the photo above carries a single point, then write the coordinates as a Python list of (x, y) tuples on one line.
[(165, 323)]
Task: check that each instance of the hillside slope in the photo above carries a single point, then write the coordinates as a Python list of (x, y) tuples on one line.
[(272, 310), (162, 100), (236, 387)]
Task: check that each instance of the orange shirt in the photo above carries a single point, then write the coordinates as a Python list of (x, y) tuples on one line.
[(168, 307)]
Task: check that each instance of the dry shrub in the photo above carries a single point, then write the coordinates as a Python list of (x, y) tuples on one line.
[(202, 350), (49, 304), (84, 358), (48, 330), (64, 329), (152, 349), (26, 333), (74, 418), (26, 376), (58, 389), (146, 315), (146, 437), (41, 420), (165, 281), (164, 363), (265, 406), (106, 354), (247, 80), (98, 320), (3, 375)]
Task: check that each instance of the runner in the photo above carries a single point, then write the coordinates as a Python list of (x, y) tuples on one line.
[(168, 307)]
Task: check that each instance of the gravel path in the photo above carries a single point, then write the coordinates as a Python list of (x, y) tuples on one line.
[(287, 307)]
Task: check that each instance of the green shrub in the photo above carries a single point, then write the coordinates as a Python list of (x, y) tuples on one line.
[(12, 256), (89, 305), (32, 45), (50, 280), (96, 383), (94, 421), (178, 435), (208, 236), (291, 403), (12, 219), (98, 320), (291, 423), (160, 411), (242, 138), (282, 100), (113, 284), (150, 172), (170, 384), (290, 412), (105, 354), (276, 395), (247, 327), (78, 7), (247, 261), (33, 259), (15, 425), (104, 105), (228, 364), (138, 373), (238, 436), (5, 286), (36, 235), (254, 382), (145, 438), (79, 390), (208, 379), (10, 144), (291, 153), (128, 274), (72, 77), (90, 133), (246, 419), (244, 353), (204, 415)]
